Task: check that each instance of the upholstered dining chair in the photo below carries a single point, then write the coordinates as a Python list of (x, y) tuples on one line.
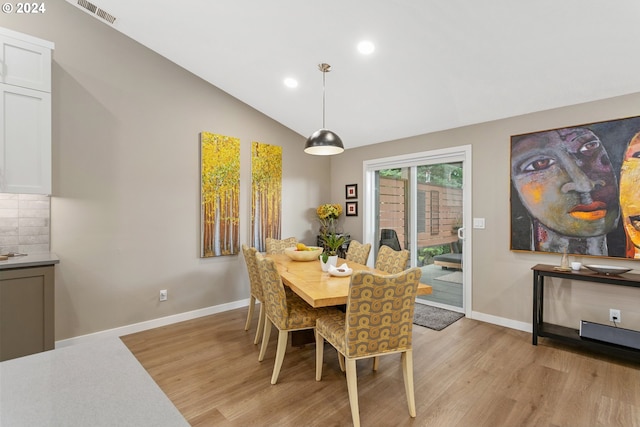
[(276, 246), (378, 321), (285, 310), (358, 252), (255, 285), (391, 261)]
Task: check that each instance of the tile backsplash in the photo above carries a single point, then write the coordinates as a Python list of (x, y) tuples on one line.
[(24, 223)]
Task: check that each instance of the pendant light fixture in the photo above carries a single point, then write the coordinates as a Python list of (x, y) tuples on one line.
[(323, 142)]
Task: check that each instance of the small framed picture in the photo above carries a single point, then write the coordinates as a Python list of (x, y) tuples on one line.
[(351, 191), (352, 208)]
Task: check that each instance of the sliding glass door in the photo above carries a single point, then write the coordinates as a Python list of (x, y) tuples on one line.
[(418, 203)]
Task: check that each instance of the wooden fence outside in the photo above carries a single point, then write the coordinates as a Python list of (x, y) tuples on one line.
[(439, 212)]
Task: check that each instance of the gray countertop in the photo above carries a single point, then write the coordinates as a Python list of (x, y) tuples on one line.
[(94, 384), (31, 260)]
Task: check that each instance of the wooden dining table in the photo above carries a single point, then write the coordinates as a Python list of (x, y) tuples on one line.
[(319, 288)]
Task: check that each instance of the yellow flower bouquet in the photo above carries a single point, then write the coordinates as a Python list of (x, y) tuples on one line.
[(328, 216), (329, 211)]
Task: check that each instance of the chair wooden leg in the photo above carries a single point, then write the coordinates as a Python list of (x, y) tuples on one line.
[(375, 363), (252, 303), (352, 387), (407, 373), (319, 355), (265, 339), (260, 327), (283, 337), (341, 361)]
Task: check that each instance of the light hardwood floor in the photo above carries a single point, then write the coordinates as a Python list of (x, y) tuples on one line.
[(470, 374)]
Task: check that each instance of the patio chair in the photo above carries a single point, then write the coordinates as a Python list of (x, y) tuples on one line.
[(389, 238)]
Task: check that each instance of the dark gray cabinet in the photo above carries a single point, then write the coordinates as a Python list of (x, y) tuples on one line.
[(26, 311)]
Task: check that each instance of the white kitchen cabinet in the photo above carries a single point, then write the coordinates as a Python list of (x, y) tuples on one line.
[(25, 113), (25, 127), (26, 60)]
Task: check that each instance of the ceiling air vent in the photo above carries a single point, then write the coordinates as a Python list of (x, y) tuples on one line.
[(89, 6), (94, 9), (106, 16)]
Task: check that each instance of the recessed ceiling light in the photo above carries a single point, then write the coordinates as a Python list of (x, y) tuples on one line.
[(366, 47), (291, 82)]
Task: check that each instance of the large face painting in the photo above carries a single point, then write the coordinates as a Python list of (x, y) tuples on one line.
[(577, 190)]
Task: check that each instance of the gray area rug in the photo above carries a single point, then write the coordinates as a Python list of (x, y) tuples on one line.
[(433, 317), (455, 277)]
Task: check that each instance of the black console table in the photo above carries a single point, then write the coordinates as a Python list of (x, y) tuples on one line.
[(570, 335)]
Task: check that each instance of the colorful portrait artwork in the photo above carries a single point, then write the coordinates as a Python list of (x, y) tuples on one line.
[(630, 196), (220, 195), (576, 190)]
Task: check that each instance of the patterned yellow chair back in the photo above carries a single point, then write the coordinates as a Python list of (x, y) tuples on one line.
[(252, 268), (391, 261), (275, 297), (358, 252), (275, 246), (379, 315)]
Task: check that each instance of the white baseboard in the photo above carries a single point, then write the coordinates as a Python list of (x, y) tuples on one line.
[(150, 324), (501, 321), (163, 321)]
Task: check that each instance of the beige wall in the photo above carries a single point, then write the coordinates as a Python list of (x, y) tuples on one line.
[(125, 210), (502, 280)]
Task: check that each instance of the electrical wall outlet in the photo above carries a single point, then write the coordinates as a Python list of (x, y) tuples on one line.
[(163, 295), (614, 315)]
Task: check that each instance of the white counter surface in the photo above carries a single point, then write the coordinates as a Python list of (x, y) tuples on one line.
[(31, 260), (91, 384)]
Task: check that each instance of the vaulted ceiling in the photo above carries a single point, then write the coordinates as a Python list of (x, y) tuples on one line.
[(437, 64)]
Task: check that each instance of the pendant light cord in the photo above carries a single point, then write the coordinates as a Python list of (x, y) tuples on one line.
[(324, 96), (325, 68)]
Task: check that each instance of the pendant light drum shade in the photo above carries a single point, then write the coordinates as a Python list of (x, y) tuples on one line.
[(324, 142)]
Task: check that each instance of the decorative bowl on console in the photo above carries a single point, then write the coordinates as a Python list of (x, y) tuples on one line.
[(607, 269)]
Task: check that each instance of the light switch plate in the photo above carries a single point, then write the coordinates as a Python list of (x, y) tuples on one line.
[(478, 222)]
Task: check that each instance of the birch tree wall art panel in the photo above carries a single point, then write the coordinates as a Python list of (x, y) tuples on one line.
[(266, 193), (220, 195)]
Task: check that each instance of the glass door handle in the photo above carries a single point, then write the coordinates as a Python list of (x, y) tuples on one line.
[(461, 233)]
